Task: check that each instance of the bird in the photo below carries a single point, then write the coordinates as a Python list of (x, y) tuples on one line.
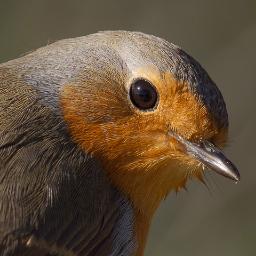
[(95, 132)]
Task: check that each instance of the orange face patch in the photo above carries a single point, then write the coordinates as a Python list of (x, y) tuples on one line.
[(134, 146)]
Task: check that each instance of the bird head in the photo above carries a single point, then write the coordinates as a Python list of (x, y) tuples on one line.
[(150, 113)]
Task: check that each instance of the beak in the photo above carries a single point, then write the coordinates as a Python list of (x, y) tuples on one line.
[(210, 156)]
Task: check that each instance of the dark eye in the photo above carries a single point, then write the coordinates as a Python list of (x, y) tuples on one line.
[(143, 94)]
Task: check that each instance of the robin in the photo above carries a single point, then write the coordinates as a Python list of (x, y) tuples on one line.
[(94, 132)]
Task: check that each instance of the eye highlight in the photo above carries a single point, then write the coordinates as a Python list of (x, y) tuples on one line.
[(143, 95)]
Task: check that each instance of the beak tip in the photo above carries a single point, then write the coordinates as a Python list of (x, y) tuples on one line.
[(237, 177), (233, 174)]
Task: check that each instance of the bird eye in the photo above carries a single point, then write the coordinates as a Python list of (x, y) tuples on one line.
[(143, 95)]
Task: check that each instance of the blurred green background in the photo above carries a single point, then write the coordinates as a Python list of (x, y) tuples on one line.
[(221, 35)]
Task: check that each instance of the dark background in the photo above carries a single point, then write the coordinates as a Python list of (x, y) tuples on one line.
[(220, 220)]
